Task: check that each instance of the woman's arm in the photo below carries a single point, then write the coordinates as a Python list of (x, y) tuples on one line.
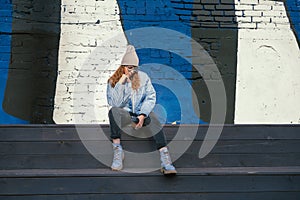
[(150, 98), (117, 96)]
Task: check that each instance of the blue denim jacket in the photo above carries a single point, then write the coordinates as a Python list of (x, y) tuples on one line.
[(141, 101)]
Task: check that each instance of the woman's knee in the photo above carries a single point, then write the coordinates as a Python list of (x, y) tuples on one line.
[(114, 111), (118, 113), (154, 118)]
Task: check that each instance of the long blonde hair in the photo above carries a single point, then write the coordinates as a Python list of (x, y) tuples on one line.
[(135, 82)]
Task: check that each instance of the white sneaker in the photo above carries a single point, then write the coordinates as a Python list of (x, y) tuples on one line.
[(118, 158), (166, 164)]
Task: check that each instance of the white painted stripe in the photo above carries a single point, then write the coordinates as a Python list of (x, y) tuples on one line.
[(84, 61), (268, 67)]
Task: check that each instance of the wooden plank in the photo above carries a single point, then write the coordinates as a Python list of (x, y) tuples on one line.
[(49, 162), (76, 147), (239, 160), (97, 172), (187, 160), (68, 147), (245, 132), (235, 132), (149, 184), (49, 151), (165, 196)]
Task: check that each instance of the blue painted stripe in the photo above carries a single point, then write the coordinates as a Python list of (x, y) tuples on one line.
[(162, 14), (5, 52), (293, 7)]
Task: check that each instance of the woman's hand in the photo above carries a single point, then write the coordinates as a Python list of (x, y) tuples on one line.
[(141, 122), (123, 79), (127, 75)]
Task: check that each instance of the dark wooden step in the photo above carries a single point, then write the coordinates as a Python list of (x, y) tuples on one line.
[(81, 162), (42, 162), (213, 171), (70, 132), (60, 147), (164, 196), (191, 183)]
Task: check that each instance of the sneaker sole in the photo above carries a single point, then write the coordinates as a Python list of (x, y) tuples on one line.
[(116, 169), (168, 171)]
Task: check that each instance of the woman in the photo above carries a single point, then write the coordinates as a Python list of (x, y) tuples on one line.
[(132, 97)]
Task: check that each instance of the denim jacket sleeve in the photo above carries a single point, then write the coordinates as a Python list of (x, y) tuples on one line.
[(117, 96), (150, 98)]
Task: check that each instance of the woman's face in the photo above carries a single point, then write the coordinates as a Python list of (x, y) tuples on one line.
[(130, 69)]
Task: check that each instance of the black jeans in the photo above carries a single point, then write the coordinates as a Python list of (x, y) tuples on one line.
[(120, 119)]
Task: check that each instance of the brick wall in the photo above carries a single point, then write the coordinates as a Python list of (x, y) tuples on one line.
[(80, 44), (5, 32), (293, 8), (268, 64), (31, 79), (6, 10), (257, 14), (87, 57), (5, 38), (214, 24)]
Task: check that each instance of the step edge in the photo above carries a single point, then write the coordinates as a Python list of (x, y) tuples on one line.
[(104, 172)]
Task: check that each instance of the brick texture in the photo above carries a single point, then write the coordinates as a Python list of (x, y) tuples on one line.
[(84, 29)]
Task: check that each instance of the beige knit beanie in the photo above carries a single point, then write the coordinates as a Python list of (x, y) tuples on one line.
[(130, 57)]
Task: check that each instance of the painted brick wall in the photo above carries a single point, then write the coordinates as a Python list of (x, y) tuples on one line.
[(31, 79), (165, 14), (214, 24), (255, 14), (87, 57), (5, 38), (6, 10), (160, 61), (268, 84), (293, 7), (84, 41)]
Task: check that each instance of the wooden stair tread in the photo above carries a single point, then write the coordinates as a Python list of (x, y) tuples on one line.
[(295, 170)]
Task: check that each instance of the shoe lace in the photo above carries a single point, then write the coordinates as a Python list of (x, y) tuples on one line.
[(166, 160), (117, 153)]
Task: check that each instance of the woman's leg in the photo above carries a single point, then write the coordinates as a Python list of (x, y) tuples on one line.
[(117, 118), (166, 164), (157, 131)]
